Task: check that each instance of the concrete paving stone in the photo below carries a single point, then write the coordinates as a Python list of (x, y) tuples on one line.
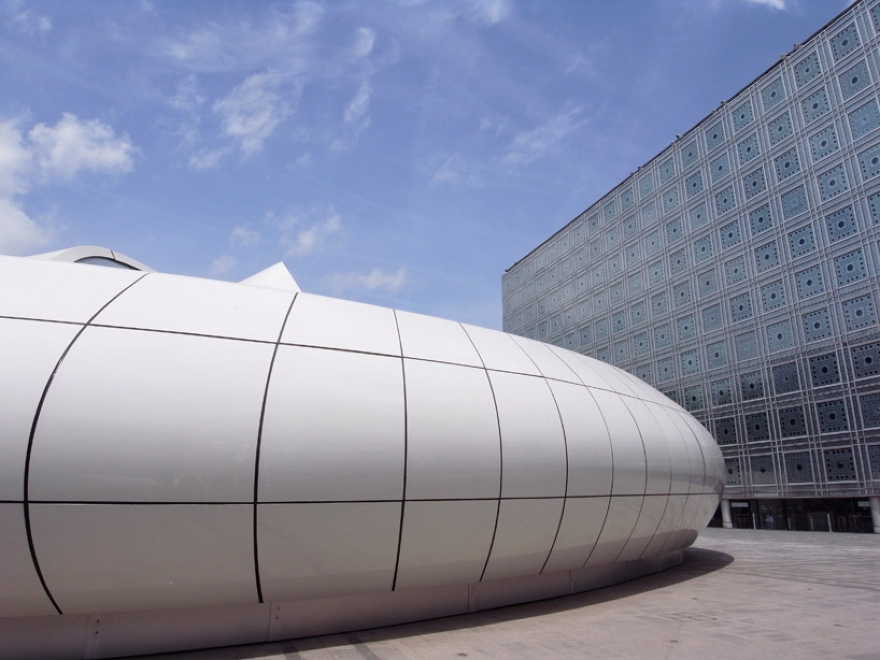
[(738, 594)]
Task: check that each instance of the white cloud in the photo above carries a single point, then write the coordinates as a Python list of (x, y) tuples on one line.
[(73, 145), (252, 111), (455, 170), (208, 159), (364, 42), (30, 23), (376, 279), (359, 105), (47, 154), (531, 145), (773, 4), (19, 234), (222, 265), (299, 238), (244, 236), (489, 12)]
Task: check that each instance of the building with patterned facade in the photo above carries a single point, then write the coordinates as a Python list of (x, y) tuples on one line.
[(737, 272)]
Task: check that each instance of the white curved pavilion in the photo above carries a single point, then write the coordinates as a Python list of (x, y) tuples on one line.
[(186, 462)]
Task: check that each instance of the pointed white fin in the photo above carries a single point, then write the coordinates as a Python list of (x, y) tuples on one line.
[(274, 277)]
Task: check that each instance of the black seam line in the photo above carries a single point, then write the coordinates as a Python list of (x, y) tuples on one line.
[(405, 454), (257, 451), (647, 471), (669, 490), (30, 445), (41, 320), (500, 477), (678, 421), (562, 512), (377, 501), (611, 487)]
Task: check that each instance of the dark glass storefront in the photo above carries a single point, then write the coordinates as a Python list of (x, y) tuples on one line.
[(809, 515)]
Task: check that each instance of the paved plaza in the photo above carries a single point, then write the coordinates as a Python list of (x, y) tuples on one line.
[(738, 594)]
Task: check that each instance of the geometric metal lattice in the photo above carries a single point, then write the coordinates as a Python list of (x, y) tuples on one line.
[(870, 405), (690, 363), (866, 360), (746, 345), (840, 464), (845, 42), (815, 106), (757, 428), (773, 94), (785, 378), (717, 355), (712, 319), (748, 149), (870, 162), (832, 416), (779, 336), (874, 460), (733, 475), (766, 256), (755, 183), (725, 200), (798, 469), (792, 422), (787, 164), (741, 307), (721, 393), (850, 267), (824, 142), (725, 431), (760, 219), (714, 136), (802, 241), (773, 295), (762, 470), (807, 69), (708, 283), (720, 167), (832, 183), (841, 224), (751, 386), (735, 270), (689, 154), (817, 325), (824, 370), (859, 313), (854, 80), (743, 115), (794, 202), (693, 398), (678, 262), (730, 235), (865, 119), (809, 282), (780, 128)]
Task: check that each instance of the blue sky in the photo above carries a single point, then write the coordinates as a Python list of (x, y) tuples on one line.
[(398, 152)]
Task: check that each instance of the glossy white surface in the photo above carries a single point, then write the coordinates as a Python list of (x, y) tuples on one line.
[(532, 442), (118, 557), (21, 593), (137, 416), (650, 515), (524, 537), (207, 307), (318, 550), (29, 351), (312, 452), (331, 323), (654, 431), (588, 443), (582, 521), (586, 370), (453, 446), (58, 291), (623, 513), (445, 543), (627, 449), (549, 363), (429, 338), (500, 352)]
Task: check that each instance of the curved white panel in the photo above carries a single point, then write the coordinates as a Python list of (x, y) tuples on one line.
[(125, 557), (332, 323), (655, 432), (668, 530), (453, 445), (549, 363), (323, 549), (429, 338), (586, 369), (29, 351), (207, 307), (590, 464), (523, 538), (651, 513), (137, 416), (21, 593), (582, 522), (445, 543), (532, 442), (623, 513), (627, 450), (58, 291), (312, 452), (500, 352)]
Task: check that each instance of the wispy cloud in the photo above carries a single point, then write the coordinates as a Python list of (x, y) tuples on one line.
[(533, 144), (488, 12), (222, 265), (301, 236), (46, 154), (378, 279), (27, 21), (455, 170), (773, 4), (359, 105), (365, 39), (253, 110), (243, 236), (73, 145)]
